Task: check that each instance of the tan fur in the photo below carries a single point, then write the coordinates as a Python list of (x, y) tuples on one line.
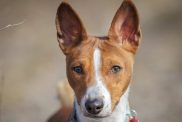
[(65, 93)]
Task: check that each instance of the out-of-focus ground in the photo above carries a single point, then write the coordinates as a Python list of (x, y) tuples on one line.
[(31, 63)]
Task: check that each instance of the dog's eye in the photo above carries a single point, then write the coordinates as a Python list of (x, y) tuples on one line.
[(115, 69), (77, 69)]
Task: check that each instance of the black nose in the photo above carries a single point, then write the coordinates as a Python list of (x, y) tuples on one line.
[(94, 106)]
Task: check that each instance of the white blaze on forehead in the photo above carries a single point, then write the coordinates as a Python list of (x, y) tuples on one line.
[(99, 90), (97, 64)]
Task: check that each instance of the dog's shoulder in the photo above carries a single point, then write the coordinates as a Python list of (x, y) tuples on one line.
[(62, 115)]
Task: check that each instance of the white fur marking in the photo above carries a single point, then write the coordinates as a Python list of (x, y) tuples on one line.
[(97, 65), (99, 88)]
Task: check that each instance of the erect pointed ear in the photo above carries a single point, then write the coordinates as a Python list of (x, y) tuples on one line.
[(125, 27), (70, 31)]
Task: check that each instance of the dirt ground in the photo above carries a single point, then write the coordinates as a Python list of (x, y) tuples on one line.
[(31, 63)]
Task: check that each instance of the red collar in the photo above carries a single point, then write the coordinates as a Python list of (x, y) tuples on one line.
[(133, 116), (134, 120)]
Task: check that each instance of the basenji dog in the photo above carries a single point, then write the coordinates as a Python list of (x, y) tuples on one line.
[(99, 69)]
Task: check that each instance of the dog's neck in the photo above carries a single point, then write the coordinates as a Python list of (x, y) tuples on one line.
[(120, 114)]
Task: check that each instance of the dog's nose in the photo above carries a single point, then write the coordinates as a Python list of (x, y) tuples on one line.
[(94, 106)]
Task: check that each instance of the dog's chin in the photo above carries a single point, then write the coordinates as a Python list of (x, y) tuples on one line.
[(96, 116)]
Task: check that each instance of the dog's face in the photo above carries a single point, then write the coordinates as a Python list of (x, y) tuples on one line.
[(99, 69)]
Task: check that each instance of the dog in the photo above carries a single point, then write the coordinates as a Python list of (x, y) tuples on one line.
[(99, 69)]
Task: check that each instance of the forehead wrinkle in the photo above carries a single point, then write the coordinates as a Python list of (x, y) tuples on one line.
[(112, 50), (85, 50)]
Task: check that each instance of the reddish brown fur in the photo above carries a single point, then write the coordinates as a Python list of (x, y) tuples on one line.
[(62, 115)]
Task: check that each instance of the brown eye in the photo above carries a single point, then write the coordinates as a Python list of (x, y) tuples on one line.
[(78, 69), (115, 69)]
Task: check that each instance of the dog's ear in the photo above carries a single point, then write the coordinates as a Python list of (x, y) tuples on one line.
[(125, 27), (70, 31)]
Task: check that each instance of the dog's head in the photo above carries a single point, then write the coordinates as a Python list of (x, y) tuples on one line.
[(99, 69)]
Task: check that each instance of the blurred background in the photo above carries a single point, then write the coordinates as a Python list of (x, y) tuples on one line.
[(31, 63)]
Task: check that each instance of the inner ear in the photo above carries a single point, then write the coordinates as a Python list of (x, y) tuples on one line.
[(125, 24), (70, 30)]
